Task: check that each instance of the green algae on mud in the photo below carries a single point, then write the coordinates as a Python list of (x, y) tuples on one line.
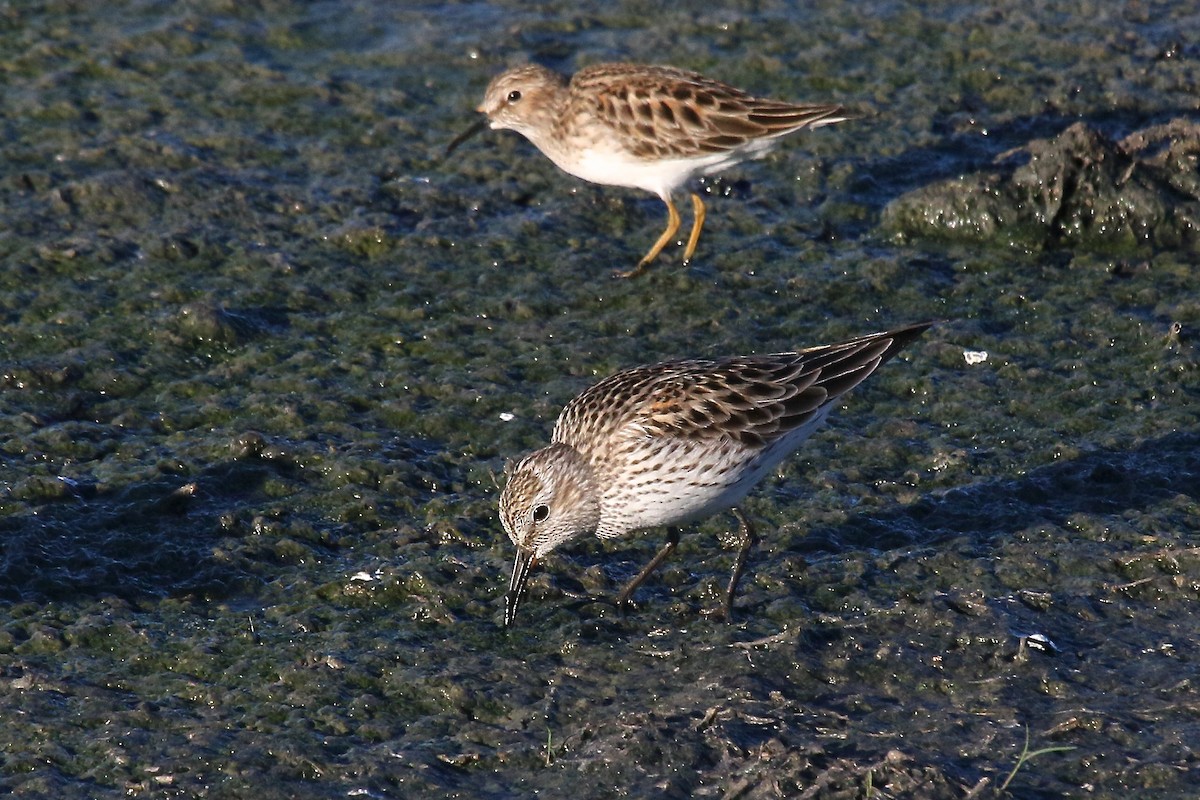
[(1076, 190), (263, 357)]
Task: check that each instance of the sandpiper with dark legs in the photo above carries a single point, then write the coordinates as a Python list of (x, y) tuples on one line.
[(664, 444), (645, 127)]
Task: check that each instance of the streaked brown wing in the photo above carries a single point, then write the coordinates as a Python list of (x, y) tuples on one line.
[(752, 399), (663, 112)]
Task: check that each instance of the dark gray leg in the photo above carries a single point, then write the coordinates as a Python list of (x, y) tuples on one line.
[(749, 539), (640, 578)]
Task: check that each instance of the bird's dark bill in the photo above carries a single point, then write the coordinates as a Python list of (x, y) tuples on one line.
[(524, 562), (467, 134)]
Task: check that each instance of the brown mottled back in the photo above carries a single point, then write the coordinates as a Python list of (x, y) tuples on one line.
[(674, 113), (754, 400)]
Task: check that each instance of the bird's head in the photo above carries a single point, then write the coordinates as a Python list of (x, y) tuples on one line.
[(551, 498)]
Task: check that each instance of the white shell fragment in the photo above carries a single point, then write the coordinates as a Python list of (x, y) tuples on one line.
[(974, 357)]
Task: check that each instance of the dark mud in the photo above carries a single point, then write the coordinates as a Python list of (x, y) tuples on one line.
[(1077, 190), (263, 355)]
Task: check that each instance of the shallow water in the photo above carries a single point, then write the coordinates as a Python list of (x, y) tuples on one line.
[(259, 345)]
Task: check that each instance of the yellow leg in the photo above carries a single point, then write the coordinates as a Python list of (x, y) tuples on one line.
[(672, 228), (697, 224)]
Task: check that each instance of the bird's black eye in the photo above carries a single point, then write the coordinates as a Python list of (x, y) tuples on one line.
[(514, 96), (540, 512)]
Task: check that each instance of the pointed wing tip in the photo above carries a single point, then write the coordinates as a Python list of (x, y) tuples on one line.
[(915, 329), (902, 337), (907, 331)]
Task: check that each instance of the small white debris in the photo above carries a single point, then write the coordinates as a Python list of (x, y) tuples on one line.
[(507, 416), (974, 357), (1037, 641)]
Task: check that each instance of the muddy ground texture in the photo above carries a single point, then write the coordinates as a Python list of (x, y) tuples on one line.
[(263, 354), (1078, 189)]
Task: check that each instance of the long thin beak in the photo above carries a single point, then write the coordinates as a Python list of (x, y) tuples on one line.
[(467, 134), (524, 562)]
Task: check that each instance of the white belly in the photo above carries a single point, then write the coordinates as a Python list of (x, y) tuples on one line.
[(680, 479), (662, 178)]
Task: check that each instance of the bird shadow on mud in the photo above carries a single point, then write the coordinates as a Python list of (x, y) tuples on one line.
[(1103, 481), (1107, 482), (149, 539)]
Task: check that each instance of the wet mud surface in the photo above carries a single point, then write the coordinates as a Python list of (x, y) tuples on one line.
[(1076, 190), (263, 354)]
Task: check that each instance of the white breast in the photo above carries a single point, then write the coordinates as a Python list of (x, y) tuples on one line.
[(680, 479)]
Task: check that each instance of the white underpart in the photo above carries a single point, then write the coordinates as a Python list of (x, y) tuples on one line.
[(662, 177), (700, 491)]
